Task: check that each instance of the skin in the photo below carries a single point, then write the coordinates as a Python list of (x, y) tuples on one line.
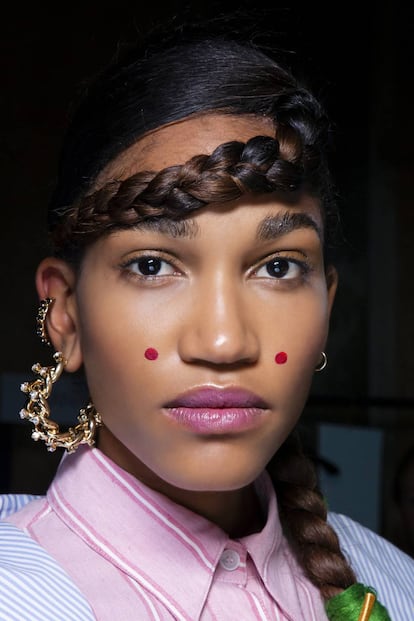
[(214, 314)]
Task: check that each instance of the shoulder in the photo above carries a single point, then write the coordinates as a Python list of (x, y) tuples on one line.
[(33, 586), (10, 503), (378, 563)]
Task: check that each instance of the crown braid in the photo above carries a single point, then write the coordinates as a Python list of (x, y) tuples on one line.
[(262, 165)]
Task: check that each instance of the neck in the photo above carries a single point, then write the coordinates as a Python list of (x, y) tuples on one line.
[(237, 512)]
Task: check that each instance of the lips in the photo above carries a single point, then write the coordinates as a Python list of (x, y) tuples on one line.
[(211, 410), (211, 397)]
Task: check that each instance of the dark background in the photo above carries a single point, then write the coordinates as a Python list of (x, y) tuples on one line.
[(358, 57)]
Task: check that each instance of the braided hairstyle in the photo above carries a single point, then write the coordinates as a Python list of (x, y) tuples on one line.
[(151, 86), (167, 79)]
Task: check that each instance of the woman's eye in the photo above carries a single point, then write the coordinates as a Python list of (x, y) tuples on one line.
[(150, 266), (279, 268)]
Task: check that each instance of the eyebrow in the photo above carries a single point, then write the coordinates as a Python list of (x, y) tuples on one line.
[(271, 227), (187, 228), (274, 226)]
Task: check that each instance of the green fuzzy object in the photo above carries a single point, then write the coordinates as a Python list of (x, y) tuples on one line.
[(346, 606)]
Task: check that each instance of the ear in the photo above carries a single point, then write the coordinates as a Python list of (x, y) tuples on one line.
[(332, 284), (57, 279)]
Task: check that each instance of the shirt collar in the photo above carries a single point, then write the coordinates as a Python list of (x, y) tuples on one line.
[(275, 562), (158, 543)]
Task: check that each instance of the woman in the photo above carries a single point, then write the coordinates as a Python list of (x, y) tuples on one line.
[(190, 279)]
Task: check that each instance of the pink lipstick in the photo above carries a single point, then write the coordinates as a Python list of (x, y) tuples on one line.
[(211, 410)]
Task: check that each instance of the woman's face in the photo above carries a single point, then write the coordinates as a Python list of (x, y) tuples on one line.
[(200, 338)]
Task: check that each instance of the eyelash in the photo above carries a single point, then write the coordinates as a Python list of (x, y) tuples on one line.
[(303, 267), (127, 267)]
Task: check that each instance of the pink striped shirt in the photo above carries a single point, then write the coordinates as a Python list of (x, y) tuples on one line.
[(135, 554)]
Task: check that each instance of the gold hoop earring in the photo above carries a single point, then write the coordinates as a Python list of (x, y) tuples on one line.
[(37, 411), (322, 364), (41, 320)]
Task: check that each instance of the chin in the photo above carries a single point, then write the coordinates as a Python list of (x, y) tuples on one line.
[(212, 481)]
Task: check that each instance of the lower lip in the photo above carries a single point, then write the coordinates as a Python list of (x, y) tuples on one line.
[(216, 420)]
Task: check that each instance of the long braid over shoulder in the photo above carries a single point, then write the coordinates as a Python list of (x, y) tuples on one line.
[(303, 515)]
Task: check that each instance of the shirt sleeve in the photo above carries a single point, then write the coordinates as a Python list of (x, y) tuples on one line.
[(379, 564), (10, 503), (33, 587)]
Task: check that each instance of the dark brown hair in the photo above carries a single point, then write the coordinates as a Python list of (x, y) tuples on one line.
[(173, 78)]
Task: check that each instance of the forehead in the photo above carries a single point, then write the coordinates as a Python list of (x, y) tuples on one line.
[(177, 142)]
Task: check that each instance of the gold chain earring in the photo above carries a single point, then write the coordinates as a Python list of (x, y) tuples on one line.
[(37, 409), (41, 320), (323, 362)]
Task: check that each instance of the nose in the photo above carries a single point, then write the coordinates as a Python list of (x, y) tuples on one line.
[(219, 327)]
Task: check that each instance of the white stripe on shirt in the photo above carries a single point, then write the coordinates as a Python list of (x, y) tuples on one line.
[(33, 587)]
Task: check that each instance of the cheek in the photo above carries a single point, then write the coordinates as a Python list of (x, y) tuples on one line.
[(117, 345), (293, 350), (297, 332), (127, 356)]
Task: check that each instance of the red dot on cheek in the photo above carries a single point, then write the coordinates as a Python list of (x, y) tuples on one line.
[(151, 353), (281, 357)]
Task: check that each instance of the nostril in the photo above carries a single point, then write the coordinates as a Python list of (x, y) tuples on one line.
[(220, 349)]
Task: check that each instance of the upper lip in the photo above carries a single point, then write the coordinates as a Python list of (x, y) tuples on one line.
[(216, 397)]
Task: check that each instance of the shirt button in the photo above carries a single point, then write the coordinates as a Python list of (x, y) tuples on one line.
[(230, 560)]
